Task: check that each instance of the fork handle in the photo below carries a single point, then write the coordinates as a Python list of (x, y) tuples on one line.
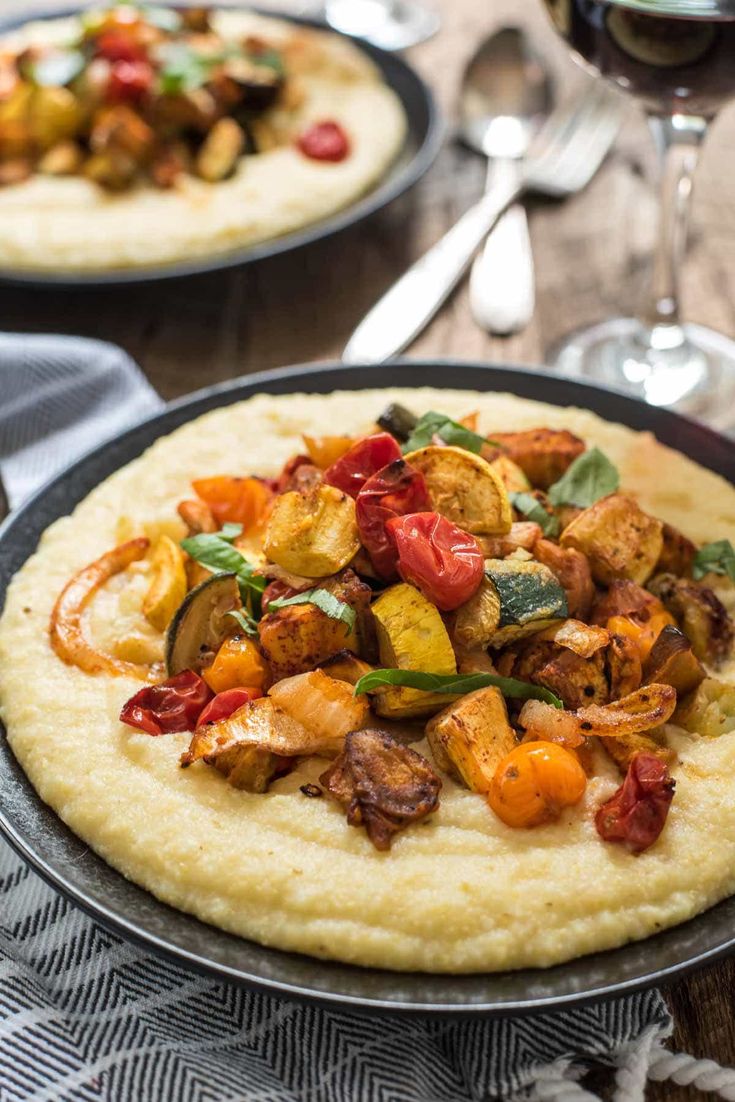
[(403, 312), (502, 279)]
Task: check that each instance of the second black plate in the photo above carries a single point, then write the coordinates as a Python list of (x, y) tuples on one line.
[(421, 146)]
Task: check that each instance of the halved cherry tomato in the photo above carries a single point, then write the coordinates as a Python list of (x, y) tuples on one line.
[(439, 558), (129, 81), (365, 458), (235, 500), (324, 141), (636, 814), (175, 705), (391, 492), (224, 704)]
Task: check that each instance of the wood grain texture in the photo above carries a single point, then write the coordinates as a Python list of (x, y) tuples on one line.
[(591, 255)]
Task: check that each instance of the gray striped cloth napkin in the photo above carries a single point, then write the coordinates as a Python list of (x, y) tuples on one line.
[(87, 1016)]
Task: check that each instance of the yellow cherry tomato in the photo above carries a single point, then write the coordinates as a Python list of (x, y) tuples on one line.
[(534, 782), (237, 663)]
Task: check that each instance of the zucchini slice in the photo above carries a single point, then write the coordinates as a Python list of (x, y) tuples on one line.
[(201, 624), (465, 489), (530, 598)]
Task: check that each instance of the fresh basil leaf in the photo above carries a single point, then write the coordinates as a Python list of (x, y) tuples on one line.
[(164, 19), (324, 600), (219, 556), (590, 477), (56, 69), (247, 624), (230, 531), (451, 432), (528, 505), (182, 69), (715, 558), (455, 683)]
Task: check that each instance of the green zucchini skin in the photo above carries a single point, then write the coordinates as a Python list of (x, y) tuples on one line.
[(200, 624), (527, 592)]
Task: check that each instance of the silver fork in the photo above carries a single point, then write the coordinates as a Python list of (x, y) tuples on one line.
[(564, 156)]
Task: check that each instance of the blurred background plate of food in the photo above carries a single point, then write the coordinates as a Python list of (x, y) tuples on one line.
[(140, 142)]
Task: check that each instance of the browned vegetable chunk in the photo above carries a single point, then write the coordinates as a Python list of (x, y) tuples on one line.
[(572, 570), (576, 680), (197, 516), (470, 738), (301, 637), (701, 615), (623, 666), (672, 662), (523, 534), (618, 538), (622, 750), (677, 555), (542, 454), (624, 598), (383, 785)]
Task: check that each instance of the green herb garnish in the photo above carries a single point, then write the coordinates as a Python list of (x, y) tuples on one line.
[(229, 531), (247, 624), (219, 556), (451, 432), (590, 477), (324, 600), (455, 683), (533, 509), (715, 558), (182, 69)]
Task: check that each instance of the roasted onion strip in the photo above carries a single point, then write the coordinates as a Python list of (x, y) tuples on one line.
[(634, 714), (66, 630)]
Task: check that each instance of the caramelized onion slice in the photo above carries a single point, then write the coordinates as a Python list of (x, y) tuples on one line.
[(580, 638), (648, 707), (67, 634)]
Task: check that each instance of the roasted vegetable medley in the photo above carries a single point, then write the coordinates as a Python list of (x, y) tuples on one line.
[(145, 94), (502, 597)]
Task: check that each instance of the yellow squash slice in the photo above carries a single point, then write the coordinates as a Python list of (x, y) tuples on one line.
[(313, 534), (464, 488), (168, 585)]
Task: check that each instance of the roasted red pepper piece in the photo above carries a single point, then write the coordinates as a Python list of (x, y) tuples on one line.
[(392, 492), (365, 458), (324, 141), (636, 814), (224, 704), (174, 705), (438, 557)]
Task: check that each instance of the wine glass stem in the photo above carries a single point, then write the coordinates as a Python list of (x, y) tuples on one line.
[(678, 141)]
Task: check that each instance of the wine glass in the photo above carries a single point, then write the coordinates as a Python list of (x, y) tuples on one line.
[(677, 57), (390, 24)]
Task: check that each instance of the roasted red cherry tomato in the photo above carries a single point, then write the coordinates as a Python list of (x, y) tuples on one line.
[(224, 704), (120, 45), (299, 473), (175, 705), (636, 814), (439, 558), (129, 81), (352, 470), (324, 141), (391, 492)]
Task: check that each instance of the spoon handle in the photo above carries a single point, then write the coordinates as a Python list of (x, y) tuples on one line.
[(502, 285), (410, 304)]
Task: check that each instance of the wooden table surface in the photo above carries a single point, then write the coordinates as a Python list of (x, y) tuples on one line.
[(591, 255)]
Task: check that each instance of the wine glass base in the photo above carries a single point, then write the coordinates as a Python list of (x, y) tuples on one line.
[(688, 368), (392, 25)]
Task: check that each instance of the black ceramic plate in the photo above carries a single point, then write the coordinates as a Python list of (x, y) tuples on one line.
[(419, 150), (67, 863)]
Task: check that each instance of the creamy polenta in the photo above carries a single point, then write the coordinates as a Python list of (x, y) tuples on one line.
[(459, 892), (68, 222)]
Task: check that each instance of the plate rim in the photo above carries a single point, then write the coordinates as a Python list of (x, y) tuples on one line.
[(287, 380), (386, 190)]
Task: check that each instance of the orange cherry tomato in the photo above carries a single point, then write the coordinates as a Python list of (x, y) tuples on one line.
[(238, 663), (235, 500), (326, 450), (643, 633), (534, 782)]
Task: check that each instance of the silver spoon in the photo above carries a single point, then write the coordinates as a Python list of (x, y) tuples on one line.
[(506, 95)]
